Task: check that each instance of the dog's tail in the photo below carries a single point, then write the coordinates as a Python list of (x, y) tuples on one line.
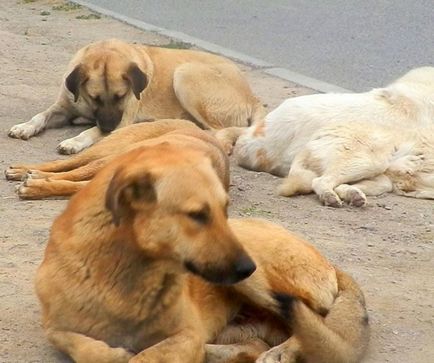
[(229, 136), (343, 335)]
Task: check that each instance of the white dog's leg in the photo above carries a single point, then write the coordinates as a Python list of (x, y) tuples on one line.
[(355, 194), (419, 194), (324, 187), (54, 114), (80, 142), (351, 194), (299, 179), (347, 169)]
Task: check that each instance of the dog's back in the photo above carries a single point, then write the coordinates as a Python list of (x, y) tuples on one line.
[(272, 145)]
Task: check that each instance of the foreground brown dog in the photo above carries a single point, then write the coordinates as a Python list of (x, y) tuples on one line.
[(114, 285), (114, 84)]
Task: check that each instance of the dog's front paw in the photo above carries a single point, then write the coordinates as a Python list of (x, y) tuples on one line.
[(70, 146), (279, 354), (23, 131)]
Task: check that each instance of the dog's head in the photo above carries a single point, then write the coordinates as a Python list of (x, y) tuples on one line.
[(106, 80), (176, 206)]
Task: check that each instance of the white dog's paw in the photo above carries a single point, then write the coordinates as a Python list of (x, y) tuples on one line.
[(279, 354), (331, 199), (23, 131), (356, 198), (70, 146)]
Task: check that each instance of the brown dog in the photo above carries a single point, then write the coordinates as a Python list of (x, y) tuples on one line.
[(114, 84), (67, 176), (114, 285)]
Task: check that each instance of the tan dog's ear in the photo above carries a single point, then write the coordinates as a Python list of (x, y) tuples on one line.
[(74, 80), (137, 79), (127, 193)]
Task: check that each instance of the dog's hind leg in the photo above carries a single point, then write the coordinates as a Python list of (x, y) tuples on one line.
[(228, 137), (419, 194), (83, 349), (101, 150), (19, 171), (355, 194), (299, 179), (85, 172), (45, 188), (345, 171), (217, 96)]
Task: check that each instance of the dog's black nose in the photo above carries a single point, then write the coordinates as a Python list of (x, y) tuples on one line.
[(244, 267)]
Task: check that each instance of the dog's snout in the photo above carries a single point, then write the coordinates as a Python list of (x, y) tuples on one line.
[(106, 127), (107, 120), (244, 267)]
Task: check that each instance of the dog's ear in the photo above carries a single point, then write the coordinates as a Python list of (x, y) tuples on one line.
[(127, 193), (137, 79), (74, 80)]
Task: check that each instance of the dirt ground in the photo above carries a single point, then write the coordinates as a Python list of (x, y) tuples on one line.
[(387, 246)]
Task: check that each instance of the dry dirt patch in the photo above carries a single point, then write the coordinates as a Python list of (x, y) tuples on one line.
[(387, 246)]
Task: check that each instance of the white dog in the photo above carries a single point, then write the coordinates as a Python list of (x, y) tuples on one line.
[(332, 140)]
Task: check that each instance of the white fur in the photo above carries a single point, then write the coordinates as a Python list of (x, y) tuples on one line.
[(343, 146), (81, 141), (30, 128), (407, 102)]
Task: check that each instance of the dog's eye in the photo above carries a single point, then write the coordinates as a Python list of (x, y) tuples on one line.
[(97, 100), (117, 98), (201, 217)]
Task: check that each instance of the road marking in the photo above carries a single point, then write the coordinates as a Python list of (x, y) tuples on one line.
[(268, 68)]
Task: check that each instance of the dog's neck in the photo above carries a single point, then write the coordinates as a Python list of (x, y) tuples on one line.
[(122, 273)]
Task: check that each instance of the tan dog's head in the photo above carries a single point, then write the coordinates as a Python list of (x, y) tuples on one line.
[(175, 204), (106, 79)]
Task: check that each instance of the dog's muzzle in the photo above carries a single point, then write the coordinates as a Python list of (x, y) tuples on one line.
[(242, 268)]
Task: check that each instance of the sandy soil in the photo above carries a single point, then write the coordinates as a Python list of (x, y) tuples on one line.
[(387, 246)]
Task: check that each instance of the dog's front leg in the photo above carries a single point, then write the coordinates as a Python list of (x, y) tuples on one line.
[(83, 349), (287, 352), (57, 113), (185, 347), (80, 142)]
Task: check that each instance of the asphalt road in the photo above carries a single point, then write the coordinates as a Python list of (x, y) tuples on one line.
[(349, 43)]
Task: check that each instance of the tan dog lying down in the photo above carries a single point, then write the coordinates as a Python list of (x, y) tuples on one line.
[(65, 177), (352, 138), (114, 284), (113, 84)]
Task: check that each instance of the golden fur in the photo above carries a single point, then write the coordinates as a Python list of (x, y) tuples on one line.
[(114, 283), (113, 84), (66, 176)]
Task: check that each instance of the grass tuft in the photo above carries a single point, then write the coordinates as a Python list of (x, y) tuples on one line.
[(68, 6), (173, 44)]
